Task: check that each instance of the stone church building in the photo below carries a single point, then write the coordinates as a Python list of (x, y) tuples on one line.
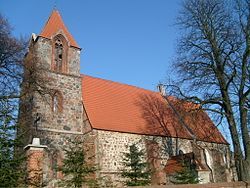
[(112, 116)]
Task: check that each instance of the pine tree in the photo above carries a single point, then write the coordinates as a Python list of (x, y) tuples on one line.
[(75, 166), (11, 174), (187, 175), (136, 171)]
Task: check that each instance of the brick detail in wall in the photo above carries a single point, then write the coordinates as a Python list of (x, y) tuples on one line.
[(35, 166)]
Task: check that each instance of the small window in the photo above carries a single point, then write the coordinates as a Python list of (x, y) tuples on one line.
[(57, 102)]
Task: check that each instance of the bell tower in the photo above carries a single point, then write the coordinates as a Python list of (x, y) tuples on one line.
[(59, 56), (64, 54), (57, 113)]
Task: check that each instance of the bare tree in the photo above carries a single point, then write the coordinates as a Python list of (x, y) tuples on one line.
[(11, 54), (213, 66)]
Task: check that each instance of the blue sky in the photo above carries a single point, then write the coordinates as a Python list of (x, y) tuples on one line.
[(129, 41)]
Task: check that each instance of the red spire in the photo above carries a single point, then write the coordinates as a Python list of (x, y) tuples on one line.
[(53, 25)]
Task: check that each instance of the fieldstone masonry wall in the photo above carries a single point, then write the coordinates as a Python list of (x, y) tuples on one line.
[(55, 142), (54, 128), (112, 145), (69, 85), (74, 61), (110, 148), (107, 148), (44, 48), (71, 117)]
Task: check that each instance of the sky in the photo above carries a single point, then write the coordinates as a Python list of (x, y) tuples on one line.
[(128, 41)]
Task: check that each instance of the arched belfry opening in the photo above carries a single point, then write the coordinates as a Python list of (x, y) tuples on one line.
[(60, 49)]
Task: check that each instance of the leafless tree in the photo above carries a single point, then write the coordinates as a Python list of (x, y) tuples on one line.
[(213, 69), (11, 54)]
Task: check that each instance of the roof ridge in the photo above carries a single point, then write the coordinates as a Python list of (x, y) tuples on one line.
[(116, 82)]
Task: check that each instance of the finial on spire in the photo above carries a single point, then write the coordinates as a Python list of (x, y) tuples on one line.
[(55, 3)]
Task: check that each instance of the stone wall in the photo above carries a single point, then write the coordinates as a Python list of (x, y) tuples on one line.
[(38, 104), (239, 184), (71, 116), (106, 149), (69, 86), (43, 47), (111, 146), (54, 128), (54, 153)]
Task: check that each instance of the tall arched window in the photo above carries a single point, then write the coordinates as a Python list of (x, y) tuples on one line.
[(57, 102), (59, 53)]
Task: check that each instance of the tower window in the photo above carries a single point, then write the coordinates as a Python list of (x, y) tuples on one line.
[(59, 54), (57, 102)]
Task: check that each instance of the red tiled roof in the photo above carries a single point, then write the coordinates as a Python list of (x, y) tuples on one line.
[(53, 25), (173, 166), (123, 108), (175, 163)]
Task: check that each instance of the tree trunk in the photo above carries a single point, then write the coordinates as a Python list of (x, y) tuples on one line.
[(243, 111), (238, 156), (246, 141)]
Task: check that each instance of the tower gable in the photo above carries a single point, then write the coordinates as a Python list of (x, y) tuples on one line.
[(55, 25), (56, 47)]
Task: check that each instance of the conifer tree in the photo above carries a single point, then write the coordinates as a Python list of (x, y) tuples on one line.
[(136, 171), (75, 166), (11, 174), (187, 175)]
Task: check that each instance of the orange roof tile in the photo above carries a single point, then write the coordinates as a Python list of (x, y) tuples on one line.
[(53, 25), (123, 108), (175, 163)]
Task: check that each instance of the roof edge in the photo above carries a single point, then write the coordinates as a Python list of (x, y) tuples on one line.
[(160, 136)]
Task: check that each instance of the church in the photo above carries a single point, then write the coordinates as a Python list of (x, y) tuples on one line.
[(112, 116)]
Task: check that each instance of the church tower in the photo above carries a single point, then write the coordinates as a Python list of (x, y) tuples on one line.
[(53, 111)]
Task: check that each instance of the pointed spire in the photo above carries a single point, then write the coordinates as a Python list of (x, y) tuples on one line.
[(53, 25)]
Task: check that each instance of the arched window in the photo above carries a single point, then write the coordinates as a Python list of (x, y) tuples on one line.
[(57, 102), (59, 54)]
